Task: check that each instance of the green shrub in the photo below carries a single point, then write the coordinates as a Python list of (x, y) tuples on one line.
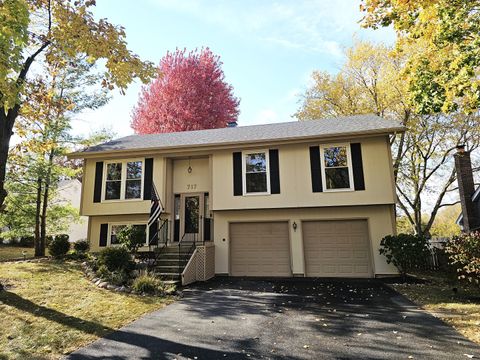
[(464, 253), (26, 241), (103, 272), (405, 251), (116, 259), (81, 246), (48, 240), (120, 277), (77, 255), (59, 246), (150, 284), (132, 237)]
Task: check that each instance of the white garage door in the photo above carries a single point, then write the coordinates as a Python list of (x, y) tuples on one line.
[(336, 248), (259, 249)]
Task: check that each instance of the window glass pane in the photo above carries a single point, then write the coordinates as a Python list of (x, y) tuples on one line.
[(112, 190), (133, 189), (117, 228), (114, 171), (335, 156), (143, 228), (191, 214), (134, 170), (176, 207), (113, 235), (206, 205), (337, 178), (256, 162), (256, 182)]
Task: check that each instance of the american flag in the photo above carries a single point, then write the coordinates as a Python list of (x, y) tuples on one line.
[(156, 207)]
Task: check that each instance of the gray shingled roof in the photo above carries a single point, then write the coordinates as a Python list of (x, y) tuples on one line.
[(351, 125)]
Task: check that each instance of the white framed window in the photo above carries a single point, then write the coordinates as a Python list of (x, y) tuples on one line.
[(123, 180), (256, 172), (114, 228), (336, 165)]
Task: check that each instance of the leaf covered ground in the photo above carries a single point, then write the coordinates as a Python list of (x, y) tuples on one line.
[(455, 303), (50, 309)]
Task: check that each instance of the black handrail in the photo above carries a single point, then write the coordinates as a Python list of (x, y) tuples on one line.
[(183, 258), (161, 237)]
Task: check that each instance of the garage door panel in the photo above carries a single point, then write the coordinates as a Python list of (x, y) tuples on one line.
[(259, 249), (336, 248)]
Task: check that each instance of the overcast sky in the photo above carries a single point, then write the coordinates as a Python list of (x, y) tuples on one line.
[(268, 48)]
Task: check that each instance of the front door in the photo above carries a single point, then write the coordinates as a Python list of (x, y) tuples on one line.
[(191, 216)]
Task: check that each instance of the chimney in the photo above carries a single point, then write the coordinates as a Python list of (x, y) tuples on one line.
[(466, 188), (232, 124)]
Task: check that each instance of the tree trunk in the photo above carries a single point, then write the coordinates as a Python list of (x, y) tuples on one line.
[(43, 224), (39, 250), (7, 120), (6, 126)]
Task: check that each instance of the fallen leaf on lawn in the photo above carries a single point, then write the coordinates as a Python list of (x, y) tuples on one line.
[(469, 356), (395, 332), (306, 346)]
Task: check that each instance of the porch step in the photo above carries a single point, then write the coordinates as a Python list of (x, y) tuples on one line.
[(168, 262), (167, 276), (172, 255), (166, 268), (171, 282)]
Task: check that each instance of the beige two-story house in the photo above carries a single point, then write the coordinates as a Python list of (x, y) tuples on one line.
[(309, 199)]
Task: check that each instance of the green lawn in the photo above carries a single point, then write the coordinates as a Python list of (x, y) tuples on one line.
[(461, 309), (49, 309)]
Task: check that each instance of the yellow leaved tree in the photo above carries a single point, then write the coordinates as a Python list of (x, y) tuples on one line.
[(56, 32)]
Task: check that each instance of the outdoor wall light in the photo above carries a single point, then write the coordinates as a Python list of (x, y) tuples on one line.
[(189, 167), (294, 225)]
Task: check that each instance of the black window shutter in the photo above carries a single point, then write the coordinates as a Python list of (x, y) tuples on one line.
[(316, 170), (147, 182), (237, 174), (103, 235), (274, 171), (97, 190), (357, 166)]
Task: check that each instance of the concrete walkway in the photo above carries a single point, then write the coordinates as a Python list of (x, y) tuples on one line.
[(285, 319)]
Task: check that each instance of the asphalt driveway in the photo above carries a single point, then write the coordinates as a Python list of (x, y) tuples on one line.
[(285, 319)]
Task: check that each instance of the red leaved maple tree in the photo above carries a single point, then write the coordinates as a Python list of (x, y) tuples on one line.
[(190, 93)]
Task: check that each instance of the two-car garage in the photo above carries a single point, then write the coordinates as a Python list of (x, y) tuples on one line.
[(331, 248)]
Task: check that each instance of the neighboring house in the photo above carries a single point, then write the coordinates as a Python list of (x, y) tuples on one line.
[(70, 192), (469, 219), (310, 198)]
